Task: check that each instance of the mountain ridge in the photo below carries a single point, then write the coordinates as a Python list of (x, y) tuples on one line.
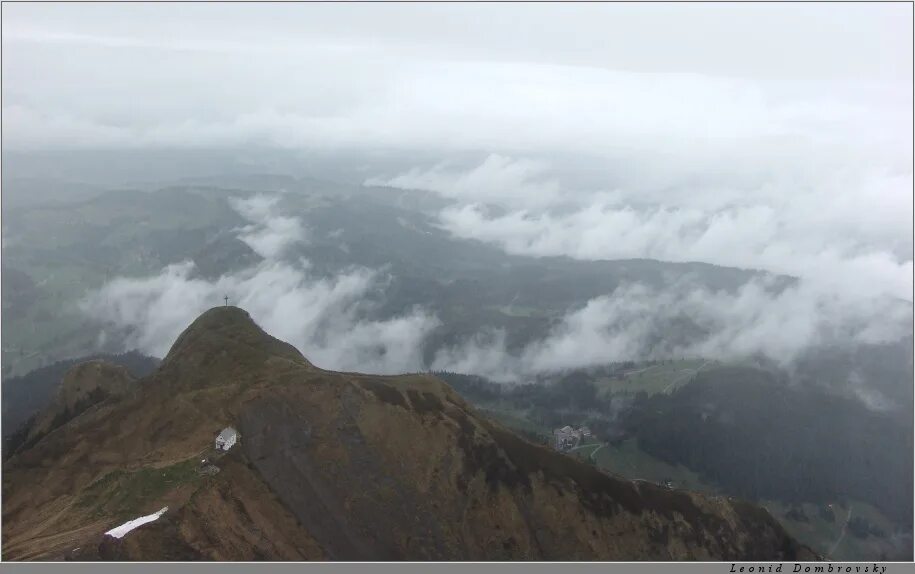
[(337, 466)]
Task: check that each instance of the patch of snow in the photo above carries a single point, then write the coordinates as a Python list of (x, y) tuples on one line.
[(123, 529)]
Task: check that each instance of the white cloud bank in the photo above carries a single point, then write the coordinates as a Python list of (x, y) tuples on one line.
[(639, 323), (858, 240), (845, 234), (269, 234), (322, 317)]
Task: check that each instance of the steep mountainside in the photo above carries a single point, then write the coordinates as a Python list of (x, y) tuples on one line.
[(31, 394), (335, 466), (83, 386)]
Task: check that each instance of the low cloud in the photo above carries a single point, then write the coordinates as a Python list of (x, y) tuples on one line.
[(325, 318), (844, 241), (496, 179), (270, 233), (639, 323)]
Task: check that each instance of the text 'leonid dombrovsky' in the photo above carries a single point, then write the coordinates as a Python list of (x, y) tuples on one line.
[(809, 568)]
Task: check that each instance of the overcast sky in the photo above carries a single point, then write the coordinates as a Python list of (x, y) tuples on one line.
[(408, 74)]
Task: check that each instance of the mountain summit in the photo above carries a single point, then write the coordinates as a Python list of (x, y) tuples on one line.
[(224, 345), (335, 466)]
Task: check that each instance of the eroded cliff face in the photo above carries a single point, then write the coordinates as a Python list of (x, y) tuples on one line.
[(337, 466)]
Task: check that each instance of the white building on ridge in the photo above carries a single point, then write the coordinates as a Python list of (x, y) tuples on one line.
[(226, 439)]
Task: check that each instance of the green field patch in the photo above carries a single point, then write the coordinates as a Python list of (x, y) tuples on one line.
[(628, 460), (125, 494), (662, 377)]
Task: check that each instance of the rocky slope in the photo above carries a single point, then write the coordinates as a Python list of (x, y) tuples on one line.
[(336, 466)]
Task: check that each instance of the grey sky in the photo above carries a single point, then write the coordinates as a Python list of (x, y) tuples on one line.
[(773, 40), (90, 74)]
